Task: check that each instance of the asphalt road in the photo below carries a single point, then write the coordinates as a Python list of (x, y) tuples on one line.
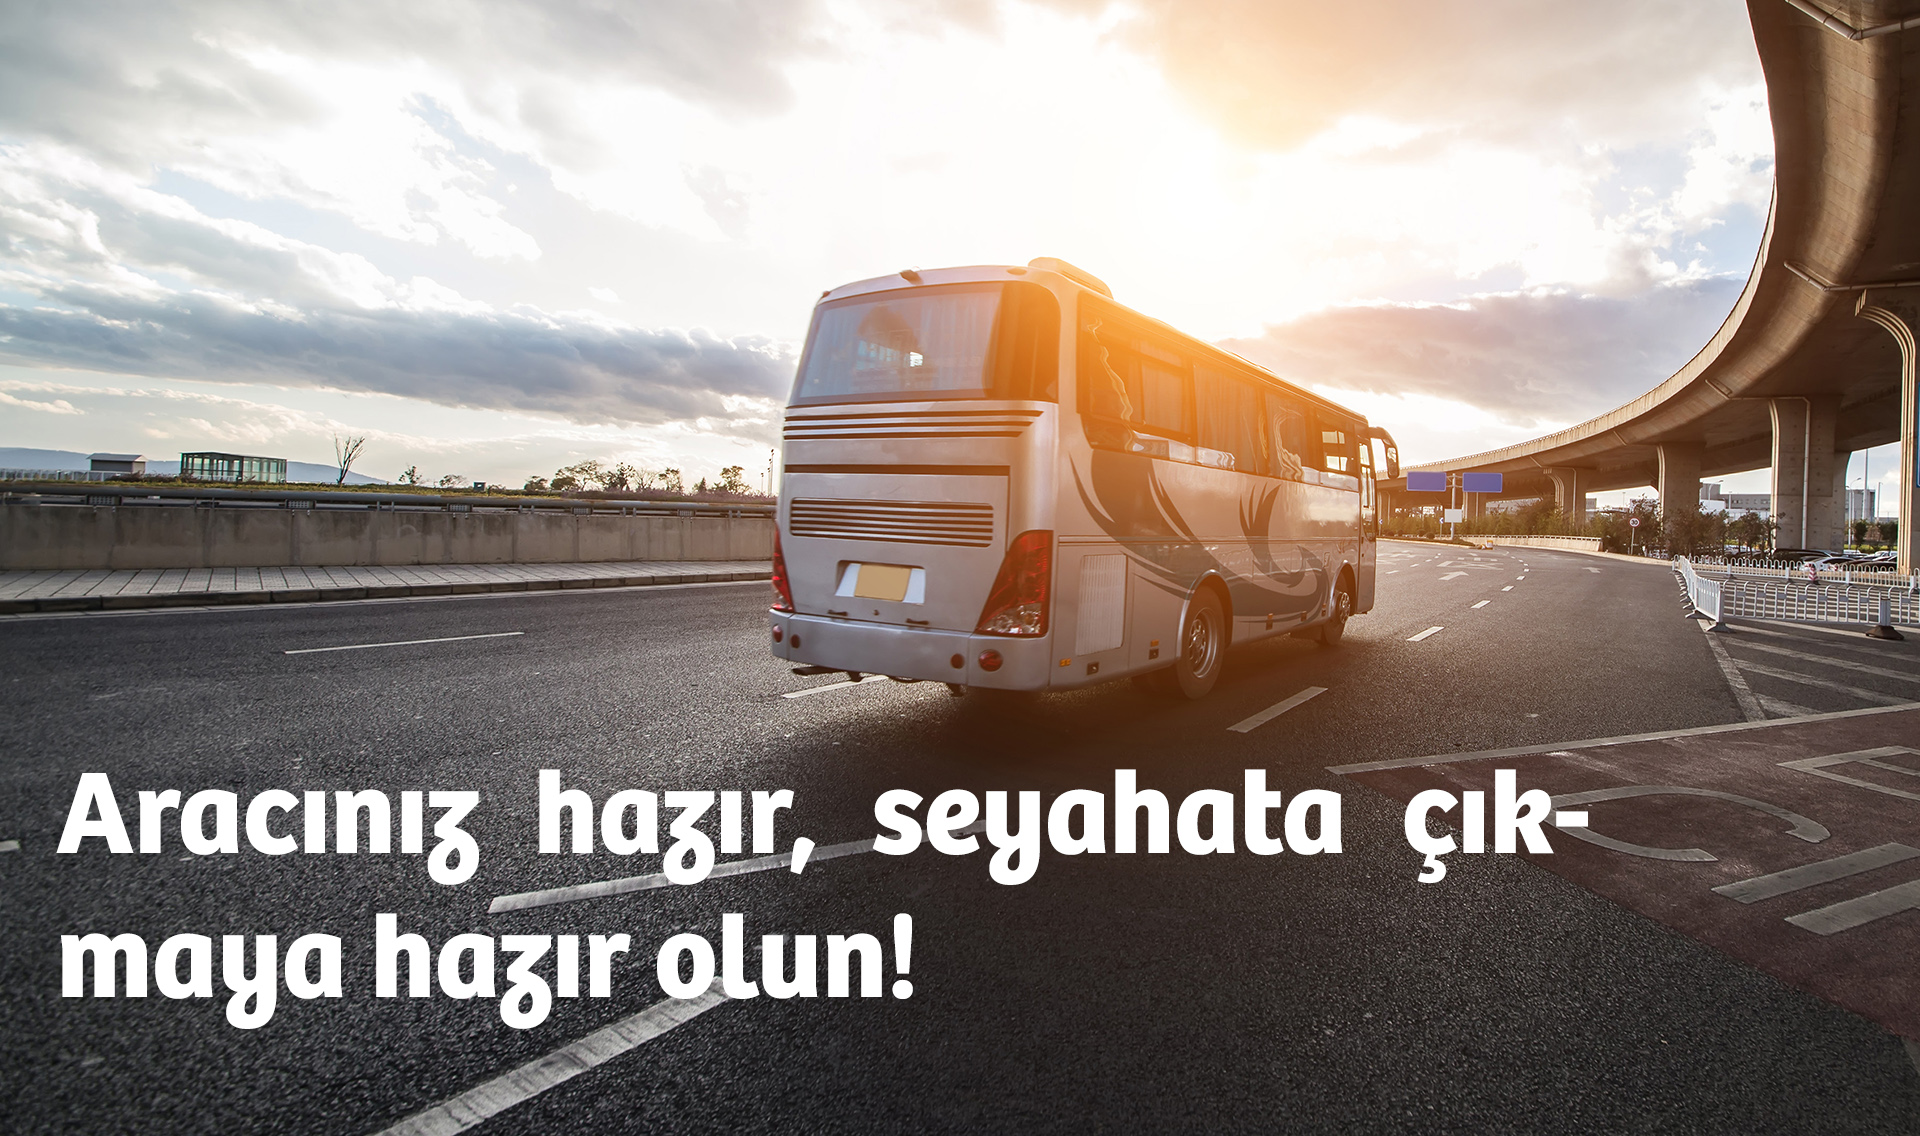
[(1108, 993)]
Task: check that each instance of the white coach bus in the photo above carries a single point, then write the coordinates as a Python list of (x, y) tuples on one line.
[(998, 478)]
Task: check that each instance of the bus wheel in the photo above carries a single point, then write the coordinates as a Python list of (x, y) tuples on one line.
[(1329, 633), (1203, 646)]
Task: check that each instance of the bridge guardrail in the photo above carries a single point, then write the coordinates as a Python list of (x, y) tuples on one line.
[(82, 493), (1883, 602)]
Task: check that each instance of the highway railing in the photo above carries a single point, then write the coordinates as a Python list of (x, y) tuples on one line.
[(1804, 595), (135, 495)]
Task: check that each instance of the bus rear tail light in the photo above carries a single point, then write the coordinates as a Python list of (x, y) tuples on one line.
[(782, 590), (1018, 603)]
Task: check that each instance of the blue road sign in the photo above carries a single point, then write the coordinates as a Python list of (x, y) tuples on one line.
[(1480, 482), (1426, 482)]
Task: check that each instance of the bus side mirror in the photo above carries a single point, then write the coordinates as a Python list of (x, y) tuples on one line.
[(1392, 472)]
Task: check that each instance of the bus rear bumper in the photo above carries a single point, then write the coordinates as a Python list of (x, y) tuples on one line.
[(911, 652)]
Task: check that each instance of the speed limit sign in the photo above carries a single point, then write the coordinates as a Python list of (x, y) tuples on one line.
[(1633, 522)]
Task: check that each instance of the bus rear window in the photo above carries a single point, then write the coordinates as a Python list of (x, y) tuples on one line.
[(941, 342)]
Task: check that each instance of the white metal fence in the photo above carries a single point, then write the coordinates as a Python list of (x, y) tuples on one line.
[(1800, 594)]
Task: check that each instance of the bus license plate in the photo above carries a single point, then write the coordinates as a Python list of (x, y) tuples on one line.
[(882, 582)]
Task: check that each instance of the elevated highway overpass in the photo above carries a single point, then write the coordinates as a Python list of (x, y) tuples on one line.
[(1817, 358)]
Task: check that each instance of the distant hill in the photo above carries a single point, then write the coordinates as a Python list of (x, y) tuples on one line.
[(21, 457)]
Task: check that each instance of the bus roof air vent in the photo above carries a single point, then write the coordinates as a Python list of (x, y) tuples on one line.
[(1078, 275)]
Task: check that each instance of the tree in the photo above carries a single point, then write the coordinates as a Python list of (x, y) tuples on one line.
[(589, 474), (670, 481), (451, 480), (621, 477), (535, 485), (563, 482), (345, 451), (731, 480), (410, 475)]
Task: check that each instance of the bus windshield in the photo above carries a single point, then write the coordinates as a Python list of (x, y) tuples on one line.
[(953, 341)]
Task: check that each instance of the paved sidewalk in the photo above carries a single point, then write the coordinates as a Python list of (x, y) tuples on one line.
[(83, 590)]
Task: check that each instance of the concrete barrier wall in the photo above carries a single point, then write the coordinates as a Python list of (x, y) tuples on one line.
[(37, 536), (1581, 543)]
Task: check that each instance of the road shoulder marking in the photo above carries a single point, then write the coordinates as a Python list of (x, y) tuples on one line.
[(1736, 682), (1595, 743)]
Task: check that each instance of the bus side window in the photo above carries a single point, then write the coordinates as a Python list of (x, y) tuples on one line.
[(1233, 434), (1288, 429), (1128, 382), (1166, 398), (1335, 438)]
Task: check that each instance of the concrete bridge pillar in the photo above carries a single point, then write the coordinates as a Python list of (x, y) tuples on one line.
[(1806, 512), (1898, 317), (1569, 492), (1679, 477)]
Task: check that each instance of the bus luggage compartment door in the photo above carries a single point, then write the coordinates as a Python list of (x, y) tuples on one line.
[(917, 550)]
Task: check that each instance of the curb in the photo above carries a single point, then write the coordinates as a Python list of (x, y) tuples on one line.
[(396, 591)]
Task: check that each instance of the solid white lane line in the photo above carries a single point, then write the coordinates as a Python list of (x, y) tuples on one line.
[(841, 685), (403, 643), (1249, 725), (604, 888), (562, 1065), (1481, 604), (1736, 682), (1424, 634), (1819, 872)]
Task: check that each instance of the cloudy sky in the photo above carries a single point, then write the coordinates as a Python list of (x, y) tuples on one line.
[(501, 237)]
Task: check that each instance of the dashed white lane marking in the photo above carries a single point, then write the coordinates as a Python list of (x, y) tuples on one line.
[(403, 643), (9, 846), (1819, 872), (1519, 577), (1736, 682), (841, 685), (1424, 634), (569, 1061), (1249, 725), (1481, 604), (1451, 575), (522, 900), (1508, 588), (604, 888)]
